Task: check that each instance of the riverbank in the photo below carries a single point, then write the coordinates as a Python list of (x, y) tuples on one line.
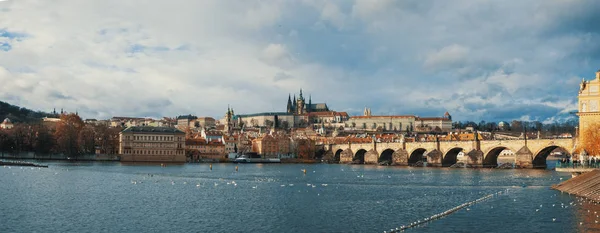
[(20, 164), (112, 158)]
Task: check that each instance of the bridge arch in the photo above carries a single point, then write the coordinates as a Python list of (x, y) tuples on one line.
[(386, 157), (337, 155), (491, 157), (320, 153), (359, 157), (539, 160), (416, 156), (451, 157)]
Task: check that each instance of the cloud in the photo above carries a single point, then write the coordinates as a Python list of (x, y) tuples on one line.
[(448, 57), (107, 58)]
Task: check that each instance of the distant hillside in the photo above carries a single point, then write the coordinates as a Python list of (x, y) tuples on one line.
[(18, 114)]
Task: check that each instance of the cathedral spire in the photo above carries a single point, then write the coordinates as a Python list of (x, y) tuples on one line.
[(289, 104), (301, 94), (308, 108)]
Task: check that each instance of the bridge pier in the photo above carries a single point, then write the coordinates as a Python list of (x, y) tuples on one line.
[(524, 158), (475, 158), (346, 156), (400, 157), (434, 158), (371, 157)]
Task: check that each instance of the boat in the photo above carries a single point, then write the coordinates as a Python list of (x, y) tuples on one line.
[(252, 159)]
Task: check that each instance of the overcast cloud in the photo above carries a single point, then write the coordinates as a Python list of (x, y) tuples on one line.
[(478, 60)]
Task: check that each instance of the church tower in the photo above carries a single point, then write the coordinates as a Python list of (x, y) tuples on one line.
[(309, 106), (228, 123), (289, 105), (300, 104)]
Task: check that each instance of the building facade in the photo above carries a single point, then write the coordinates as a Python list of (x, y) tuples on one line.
[(6, 124), (266, 146), (589, 104), (407, 123), (152, 144), (186, 121)]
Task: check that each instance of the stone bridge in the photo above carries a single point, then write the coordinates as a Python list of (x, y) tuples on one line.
[(530, 153)]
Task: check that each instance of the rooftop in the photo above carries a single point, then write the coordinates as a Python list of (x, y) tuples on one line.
[(150, 129)]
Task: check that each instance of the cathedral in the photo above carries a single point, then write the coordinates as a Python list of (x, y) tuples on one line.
[(300, 107)]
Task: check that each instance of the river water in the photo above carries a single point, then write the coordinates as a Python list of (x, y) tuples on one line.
[(115, 197)]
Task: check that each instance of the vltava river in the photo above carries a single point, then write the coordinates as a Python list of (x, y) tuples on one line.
[(112, 197)]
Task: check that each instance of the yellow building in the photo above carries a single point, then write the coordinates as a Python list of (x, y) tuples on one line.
[(589, 101), (152, 144)]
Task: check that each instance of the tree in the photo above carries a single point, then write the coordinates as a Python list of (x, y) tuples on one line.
[(86, 140), (285, 124), (516, 125), (44, 141), (269, 123), (591, 137), (106, 139), (6, 142), (67, 133), (19, 136)]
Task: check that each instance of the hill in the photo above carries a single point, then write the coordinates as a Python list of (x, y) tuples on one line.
[(19, 114)]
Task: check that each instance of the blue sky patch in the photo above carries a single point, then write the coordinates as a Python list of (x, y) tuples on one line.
[(5, 46), (11, 35)]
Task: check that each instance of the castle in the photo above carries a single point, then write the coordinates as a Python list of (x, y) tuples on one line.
[(300, 107)]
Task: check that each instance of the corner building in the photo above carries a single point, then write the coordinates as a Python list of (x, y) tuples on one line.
[(589, 101), (152, 144)]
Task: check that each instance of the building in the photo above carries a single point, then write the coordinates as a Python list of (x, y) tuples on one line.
[(433, 124), (6, 124), (266, 146), (200, 148), (270, 119), (407, 123), (374, 123), (328, 117), (503, 125), (589, 102), (186, 121), (206, 122), (211, 135), (300, 107), (230, 143), (152, 144)]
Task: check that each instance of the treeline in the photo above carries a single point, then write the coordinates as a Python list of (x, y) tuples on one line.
[(70, 137), (519, 126), (18, 114)]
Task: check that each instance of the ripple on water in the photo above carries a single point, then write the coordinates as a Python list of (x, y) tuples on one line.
[(280, 198)]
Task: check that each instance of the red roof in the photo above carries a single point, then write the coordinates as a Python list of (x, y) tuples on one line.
[(398, 116)]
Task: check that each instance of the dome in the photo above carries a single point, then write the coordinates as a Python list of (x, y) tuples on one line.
[(6, 121)]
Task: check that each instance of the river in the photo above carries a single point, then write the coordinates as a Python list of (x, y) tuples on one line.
[(115, 197)]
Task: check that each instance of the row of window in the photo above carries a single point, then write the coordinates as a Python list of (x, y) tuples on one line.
[(152, 152), (153, 138)]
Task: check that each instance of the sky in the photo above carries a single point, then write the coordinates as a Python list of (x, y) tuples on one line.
[(478, 60)]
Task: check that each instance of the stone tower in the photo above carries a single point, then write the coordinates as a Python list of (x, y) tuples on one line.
[(589, 102), (300, 104), (228, 118)]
